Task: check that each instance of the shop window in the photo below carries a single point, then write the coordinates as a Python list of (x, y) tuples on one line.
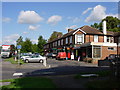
[(96, 51)]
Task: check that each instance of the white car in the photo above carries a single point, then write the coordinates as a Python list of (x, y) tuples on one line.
[(25, 56), (35, 58)]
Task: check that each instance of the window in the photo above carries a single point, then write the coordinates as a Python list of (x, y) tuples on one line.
[(70, 39), (96, 51), (119, 40), (95, 38), (112, 40), (61, 41), (66, 40), (111, 48)]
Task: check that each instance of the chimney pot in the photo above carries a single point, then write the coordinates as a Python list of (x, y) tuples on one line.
[(69, 30)]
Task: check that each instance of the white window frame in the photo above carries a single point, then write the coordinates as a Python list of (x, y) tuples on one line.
[(95, 38), (76, 38)]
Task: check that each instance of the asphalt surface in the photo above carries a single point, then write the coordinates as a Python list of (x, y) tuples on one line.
[(53, 68)]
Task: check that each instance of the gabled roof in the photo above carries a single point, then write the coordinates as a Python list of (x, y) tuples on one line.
[(90, 30), (87, 30)]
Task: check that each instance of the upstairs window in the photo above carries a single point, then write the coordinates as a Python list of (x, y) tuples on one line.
[(66, 40), (79, 38), (95, 38), (70, 39)]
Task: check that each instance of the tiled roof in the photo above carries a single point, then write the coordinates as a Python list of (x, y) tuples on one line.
[(88, 30)]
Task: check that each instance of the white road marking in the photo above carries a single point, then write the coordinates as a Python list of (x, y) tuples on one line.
[(89, 75), (17, 74)]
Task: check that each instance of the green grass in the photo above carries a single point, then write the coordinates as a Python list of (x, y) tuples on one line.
[(6, 80), (29, 82), (103, 84), (100, 74), (13, 61)]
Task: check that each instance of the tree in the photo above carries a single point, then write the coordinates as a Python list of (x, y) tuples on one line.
[(19, 40), (113, 24), (54, 35), (13, 48), (95, 25), (26, 46), (41, 42), (34, 48)]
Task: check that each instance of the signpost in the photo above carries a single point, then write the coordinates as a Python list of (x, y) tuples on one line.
[(19, 47)]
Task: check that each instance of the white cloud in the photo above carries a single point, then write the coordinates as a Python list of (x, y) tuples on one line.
[(84, 12), (6, 19), (31, 27), (10, 39), (25, 32), (71, 27), (74, 19), (34, 41), (98, 13), (29, 17), (54, 19)]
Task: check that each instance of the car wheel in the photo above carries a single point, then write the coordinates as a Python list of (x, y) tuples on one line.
[(26, 61), (41, 61)]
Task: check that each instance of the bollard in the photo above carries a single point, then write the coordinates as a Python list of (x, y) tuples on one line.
[(45, 63)]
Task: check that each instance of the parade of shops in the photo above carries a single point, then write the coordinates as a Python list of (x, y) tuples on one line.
[(86, 42)]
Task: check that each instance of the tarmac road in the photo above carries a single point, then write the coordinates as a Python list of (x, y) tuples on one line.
[(54, 67)]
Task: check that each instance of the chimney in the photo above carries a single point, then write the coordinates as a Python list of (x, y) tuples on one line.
[(104, 27), (104, 31), (69, 30), (59, 35)]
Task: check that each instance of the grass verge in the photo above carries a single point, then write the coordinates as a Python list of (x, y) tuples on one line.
[(29, 82), (13, 61), (103, 84)]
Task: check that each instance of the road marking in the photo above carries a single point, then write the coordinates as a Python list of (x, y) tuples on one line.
[(17, 74), (89, 75)]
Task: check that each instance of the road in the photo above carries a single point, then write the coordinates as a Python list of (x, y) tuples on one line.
[(54, 67)]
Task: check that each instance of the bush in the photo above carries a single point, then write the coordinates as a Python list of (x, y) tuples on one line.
[(89, 60)]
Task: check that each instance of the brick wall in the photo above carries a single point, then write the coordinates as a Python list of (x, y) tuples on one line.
[(106, 52), (100, 38), (91, 38)]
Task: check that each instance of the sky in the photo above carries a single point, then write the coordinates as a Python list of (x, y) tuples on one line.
[(33, 19)]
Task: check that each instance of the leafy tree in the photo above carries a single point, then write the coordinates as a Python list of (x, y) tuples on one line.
[(41, 42), (19, 40), (95, 25), (34, 48), (13, 48), (26, 46), (113, 24), (54, 35)]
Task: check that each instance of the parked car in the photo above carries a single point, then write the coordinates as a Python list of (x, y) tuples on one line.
[(61, 55), (25, 55), (51, 55), (35, 58)]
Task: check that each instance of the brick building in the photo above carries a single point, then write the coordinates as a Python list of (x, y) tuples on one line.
[(86, 42)]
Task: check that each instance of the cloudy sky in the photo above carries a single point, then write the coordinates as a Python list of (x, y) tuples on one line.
[(32, 19)]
